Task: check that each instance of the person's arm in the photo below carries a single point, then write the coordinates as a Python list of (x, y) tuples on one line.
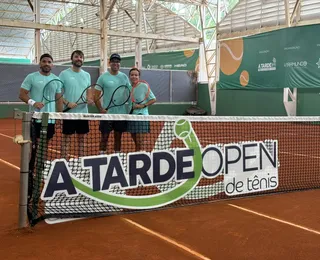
[(24, 94), (151, 100), (59, 102), (97, 94)]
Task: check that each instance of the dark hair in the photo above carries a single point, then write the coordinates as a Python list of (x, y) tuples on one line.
[(77, 52), (136, 70), (46, 55)]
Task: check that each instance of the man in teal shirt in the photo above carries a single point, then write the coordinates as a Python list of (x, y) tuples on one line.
[(110, 80), (31, 92), (75, 81)]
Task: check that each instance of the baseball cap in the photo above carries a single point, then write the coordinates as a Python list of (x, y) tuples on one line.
[(115, 56)]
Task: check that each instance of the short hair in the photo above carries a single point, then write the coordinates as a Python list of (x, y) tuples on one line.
[(46, 55), (77, 52), (134, 68)]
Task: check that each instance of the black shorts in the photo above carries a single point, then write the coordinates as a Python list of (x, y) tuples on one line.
[(70, 127), (106, 127), (37, 128)]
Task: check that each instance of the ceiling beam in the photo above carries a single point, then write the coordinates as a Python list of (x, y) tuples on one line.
[(12, 55), (227, 36), (30, 4), (61, 28), (14, 46), (110, 9), (296, 11)]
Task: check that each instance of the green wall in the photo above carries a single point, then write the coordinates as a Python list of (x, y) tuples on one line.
[(266, 102), (15, 60), (308, 102), (250, 102), (204, 98)]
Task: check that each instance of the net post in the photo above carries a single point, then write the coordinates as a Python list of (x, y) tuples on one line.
[(41, 153), (24, 170)]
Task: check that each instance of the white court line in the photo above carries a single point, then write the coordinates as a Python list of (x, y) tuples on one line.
[(52, 150), (5, 162), (10, 164), (11, 137), (302, 155), (167, 239), (276, 219)]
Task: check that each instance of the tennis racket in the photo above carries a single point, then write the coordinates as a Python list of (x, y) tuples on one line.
[(140, 92), (89, 91), (53, 87), (119, 97)]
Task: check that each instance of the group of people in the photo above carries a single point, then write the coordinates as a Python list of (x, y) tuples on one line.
[(75, 80)]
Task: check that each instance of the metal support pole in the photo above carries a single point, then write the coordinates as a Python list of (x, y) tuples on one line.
[(138, 52), (24, 170)]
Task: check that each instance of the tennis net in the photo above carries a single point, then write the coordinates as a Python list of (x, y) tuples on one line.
[(182, 160)]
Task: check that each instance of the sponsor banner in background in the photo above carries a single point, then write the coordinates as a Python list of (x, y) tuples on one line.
[(283, 58), (174, 60)]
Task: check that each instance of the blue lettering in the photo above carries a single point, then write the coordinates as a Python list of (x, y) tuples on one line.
[(94, 164), (119, 177), (157, 157), (54, 186), (181, 164), (135, 171)]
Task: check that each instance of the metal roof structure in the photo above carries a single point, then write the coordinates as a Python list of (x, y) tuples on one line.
[(255, 16), (169, 17), (179, 18)]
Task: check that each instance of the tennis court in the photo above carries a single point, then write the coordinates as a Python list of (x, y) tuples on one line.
[(278, 226)]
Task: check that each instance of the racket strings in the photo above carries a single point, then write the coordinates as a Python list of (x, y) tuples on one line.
[(52, 88), (140, 93), (120, 96)]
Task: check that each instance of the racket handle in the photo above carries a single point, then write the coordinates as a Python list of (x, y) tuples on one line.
[(131, 111), (66, 109)]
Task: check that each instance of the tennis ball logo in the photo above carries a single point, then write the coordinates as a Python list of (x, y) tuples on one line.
[(182, 129), (231, 54), (188, 53), (244, 78)]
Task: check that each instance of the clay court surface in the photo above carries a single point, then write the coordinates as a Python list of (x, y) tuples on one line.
[(280, 226)]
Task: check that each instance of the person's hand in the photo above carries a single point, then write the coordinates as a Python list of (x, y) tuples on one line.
[(38, 105), (72, 105), (90, 101), (138, 106), (103, 111)]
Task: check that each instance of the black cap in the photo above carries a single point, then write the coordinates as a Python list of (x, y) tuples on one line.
[(115, 56)]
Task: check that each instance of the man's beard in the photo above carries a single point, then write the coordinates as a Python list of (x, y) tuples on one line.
[(77, 64), (45, 69)]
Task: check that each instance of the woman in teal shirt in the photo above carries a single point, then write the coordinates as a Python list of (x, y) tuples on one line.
[(138, 129)]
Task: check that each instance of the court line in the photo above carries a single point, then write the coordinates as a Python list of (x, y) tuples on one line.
[(9, 164), (11, 137), (5, 162), (302, 155), (167, 239), (276, 219)]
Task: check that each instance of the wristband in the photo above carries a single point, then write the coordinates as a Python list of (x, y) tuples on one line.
[(31, 102)]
